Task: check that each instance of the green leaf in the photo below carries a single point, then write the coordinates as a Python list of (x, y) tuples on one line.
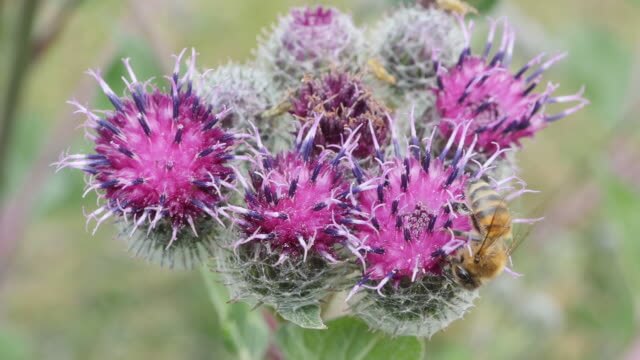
[(346, 338), (245, 331), (307, 317)]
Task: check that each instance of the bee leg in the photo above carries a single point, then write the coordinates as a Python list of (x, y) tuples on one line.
[(460, 208), (466, 235)]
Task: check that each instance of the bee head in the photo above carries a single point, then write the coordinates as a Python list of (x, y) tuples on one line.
[(464, 278)]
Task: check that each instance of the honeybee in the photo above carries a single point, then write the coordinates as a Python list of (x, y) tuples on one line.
[(380, 72), (456, 6), (491, 244)]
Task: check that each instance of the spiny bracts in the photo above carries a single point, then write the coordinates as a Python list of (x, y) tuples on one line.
[(310, 41), (243, 89), (407, 41)]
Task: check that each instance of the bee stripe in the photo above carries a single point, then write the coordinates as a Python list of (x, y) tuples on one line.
[(492, 199), (476, 185), (483, 205), (489, 206), (489, 213), (476, 189)]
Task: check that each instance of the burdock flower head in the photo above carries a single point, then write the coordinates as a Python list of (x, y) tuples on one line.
[(343, 104), (160, 164), (243, 89), (406, 42), (412, 222), (286, 254), (502, 106), (310, 41)]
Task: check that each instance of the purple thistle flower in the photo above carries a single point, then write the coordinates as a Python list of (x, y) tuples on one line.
[(410, 224), (502, 106), (160, 159), (292, 226), (409, 208), (294, 199), (343, 103), (310, 40)]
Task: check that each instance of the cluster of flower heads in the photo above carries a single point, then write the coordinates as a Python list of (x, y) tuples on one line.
[(193, 172)]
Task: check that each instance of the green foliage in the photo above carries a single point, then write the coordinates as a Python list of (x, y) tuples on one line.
[(346, 338), (245, 332), (598, 61), (622, 208), (12, 347), (307, 317)]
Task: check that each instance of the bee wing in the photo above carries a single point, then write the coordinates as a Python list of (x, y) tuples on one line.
[(488, 241), (518, 239), (524, 231)]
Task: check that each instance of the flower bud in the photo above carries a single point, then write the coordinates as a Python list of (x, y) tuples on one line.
[(244, 89), (406, 43), (310, 41)]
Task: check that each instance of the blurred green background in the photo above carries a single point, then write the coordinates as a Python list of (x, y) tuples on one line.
[(65, 294)]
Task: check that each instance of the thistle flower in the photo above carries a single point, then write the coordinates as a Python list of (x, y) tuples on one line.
[(310, 41), (409, 231), (502, 106), (244, 89), (287, 252), (343, 103), (409, 207), (160, 161), (405, 44)]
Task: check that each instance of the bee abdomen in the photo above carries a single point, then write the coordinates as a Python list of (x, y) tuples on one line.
[(490, 212)]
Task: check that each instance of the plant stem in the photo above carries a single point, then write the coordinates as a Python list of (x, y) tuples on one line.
[(17, 73), (43, 42)]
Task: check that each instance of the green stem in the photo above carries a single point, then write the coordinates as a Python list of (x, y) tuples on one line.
[(17, 73)]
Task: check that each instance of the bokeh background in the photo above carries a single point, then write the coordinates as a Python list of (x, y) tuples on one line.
[(65, 294)]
